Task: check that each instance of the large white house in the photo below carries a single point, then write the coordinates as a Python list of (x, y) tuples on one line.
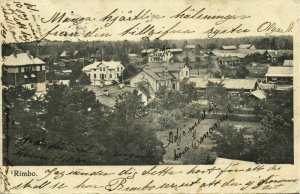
[(104, 72)]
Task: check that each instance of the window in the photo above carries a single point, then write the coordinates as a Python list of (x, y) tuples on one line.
[(110, 75), (28, 68), (94, 75), (100, 68), (117, 68), (103, 68), (104, 76), (187, 73)]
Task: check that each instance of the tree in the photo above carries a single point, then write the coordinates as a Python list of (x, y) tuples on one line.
[(129, 71), (132, 135), (211, 46), (231, 143), (186, 60), (274, 141), (242, 72), (169, 99), (280, 103), (84, 79), (273, 43), (189, 89), (217, 94), (197, 49)]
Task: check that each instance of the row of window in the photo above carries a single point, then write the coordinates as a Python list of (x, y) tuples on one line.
[(166, 83), (104, 69), (186, 73), (103, 76), (26, 69)]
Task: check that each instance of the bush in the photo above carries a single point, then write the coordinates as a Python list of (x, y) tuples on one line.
[(199, 156)]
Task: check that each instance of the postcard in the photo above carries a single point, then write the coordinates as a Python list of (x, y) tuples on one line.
[(152, 96)]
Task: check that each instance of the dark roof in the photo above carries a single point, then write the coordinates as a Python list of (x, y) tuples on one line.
[(280, 53), (227, 58), (97, 55), (44, 57), (159, 73)]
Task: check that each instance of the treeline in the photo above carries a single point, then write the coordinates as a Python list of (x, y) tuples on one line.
[(118, 50)]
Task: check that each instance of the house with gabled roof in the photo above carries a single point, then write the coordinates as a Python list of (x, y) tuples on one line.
[(277, 55), (164, 55), (280, 75), (233, 86), (23, 69), (96, 56), (71, 54), (104, 72), (246, 46), (230, 61), (161, 74)]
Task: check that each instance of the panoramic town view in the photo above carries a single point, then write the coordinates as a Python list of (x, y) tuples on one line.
[(200, 101)]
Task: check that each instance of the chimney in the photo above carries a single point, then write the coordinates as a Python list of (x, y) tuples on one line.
[(223, 77), (28, 53), (37, 50), (15, 53)]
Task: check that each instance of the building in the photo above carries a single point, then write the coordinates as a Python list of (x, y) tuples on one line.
[(231, 62), (104, 72), (161, 74), (163, 55), (231, 47), (233, 86), (96, 57), (146, 52), (190, 48), (288, 63), (65, 55), (280, 75), (277, 55), (23, 69), (246, 46), (258, 94)]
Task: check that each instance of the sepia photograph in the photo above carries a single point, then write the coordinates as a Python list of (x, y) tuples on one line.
[(148, 102), (152, 96)]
